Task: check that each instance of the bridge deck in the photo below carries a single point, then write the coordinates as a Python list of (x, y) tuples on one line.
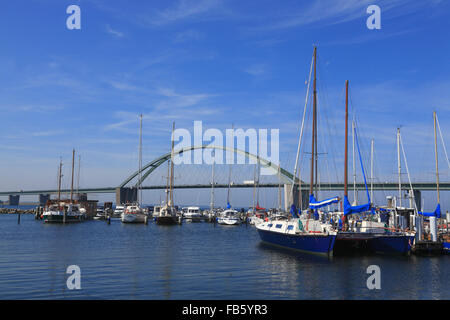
[(423, 186)]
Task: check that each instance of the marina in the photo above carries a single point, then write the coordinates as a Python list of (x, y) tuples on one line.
[(127, 261), (225, 150)]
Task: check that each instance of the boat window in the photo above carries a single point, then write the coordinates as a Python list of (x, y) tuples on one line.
[(269, 225), (290, 227), (278, 226)]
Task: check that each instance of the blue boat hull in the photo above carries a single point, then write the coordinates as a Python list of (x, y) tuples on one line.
[(392, 244), (446, 247), (305, 243)]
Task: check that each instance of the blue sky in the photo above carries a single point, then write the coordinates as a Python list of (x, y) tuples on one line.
[(222, 62)]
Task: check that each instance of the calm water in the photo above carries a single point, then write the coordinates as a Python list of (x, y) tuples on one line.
[(193, 261)]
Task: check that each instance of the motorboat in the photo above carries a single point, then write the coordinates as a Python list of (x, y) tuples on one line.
[(229, 217), (133, 213), (193, 214)]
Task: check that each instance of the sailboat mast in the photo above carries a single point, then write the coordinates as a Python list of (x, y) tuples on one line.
[(229, 184), (300, 142), (59, 180), (254, 188), (279, 187), (436, 157), (311, 184), (167, 182), (399, 168), (355, 197), (73, 165), (258, 175), (78, 175), (140, 162), (229, 176), (371, 168), (212, 181), (346, 141), (171, 165)]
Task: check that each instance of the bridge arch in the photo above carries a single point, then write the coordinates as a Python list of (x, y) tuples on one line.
[(153, 165)]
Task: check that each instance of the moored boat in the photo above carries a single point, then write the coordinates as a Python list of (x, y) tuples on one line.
[(304, 235), (62, 212), (193, 214), (133, 214), (229, 217), (167, 216)]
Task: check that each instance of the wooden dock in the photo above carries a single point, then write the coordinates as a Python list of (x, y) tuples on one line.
[(427, 247)]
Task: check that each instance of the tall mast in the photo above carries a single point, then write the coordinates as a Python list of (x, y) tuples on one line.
[(229, 175), (73, 165), (311, 184), (229, 184), (346, 141), (212, 181), (300, 140), (254, 188), (436, 157), (167, 182), (355, 197), (258, 175), (78, 174), (279, 187), (171, 166), (59, 180), (399, 168), (371, 169), (140, 162)]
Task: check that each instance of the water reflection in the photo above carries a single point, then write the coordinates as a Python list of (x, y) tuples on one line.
[(194, 261)]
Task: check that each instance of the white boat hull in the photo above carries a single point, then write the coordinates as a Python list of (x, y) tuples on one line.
[(133, 218), (229, 221)]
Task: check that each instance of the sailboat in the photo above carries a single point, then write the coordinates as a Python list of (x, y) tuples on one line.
[(210, 215), (436, 214), (365, 233), (168, 213), (257, 214), (303, 233), (133, 212), (63, 211), (229, 216)]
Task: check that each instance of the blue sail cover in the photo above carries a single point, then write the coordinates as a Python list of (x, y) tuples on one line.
[(436, 213), (314, 204), (349, 209), (294, 211), (228, 205)]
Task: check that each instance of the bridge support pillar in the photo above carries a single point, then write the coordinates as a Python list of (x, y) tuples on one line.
[(43, 198), (14, 200), (418, 199), (288, 200), (126, 195)]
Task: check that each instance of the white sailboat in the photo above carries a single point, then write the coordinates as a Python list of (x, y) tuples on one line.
[(133, 212), (229, 216), (168, 214), (63, 211)]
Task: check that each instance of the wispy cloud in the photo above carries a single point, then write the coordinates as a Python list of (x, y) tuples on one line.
[(188, 35), (331, 12), (113, 32), (184, 9), (256, 69), (47, 133), (177, 100), (31, 108)]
